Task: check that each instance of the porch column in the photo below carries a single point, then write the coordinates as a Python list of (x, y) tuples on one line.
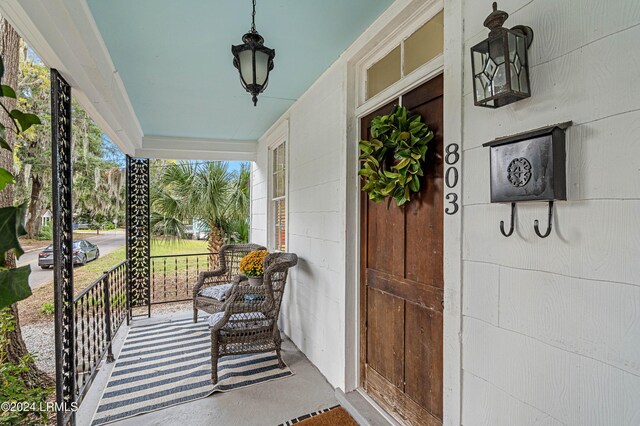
[(138, 234), (63, 247)]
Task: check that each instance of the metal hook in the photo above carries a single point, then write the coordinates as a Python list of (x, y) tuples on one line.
[(535, 223), (513, 210)]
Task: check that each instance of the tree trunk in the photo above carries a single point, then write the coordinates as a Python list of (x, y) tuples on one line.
[(9, 48), (34, 215), (214, 244)]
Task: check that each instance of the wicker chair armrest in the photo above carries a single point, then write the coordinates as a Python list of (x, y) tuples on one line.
[(239, 279), (261, 300), (208, 278), (248, 298)]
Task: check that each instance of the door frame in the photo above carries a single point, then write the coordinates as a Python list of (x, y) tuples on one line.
[(404, 19)]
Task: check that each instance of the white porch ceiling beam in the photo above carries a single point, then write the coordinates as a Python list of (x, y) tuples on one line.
[(65, 36), (176, 148)]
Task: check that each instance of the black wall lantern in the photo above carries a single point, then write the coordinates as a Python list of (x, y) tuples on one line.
[(500, 63), (253, 60)]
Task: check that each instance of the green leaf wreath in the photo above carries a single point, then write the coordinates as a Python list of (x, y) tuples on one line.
[(393, 159)]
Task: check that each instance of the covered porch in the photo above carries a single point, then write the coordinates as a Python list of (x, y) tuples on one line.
[(271, 403), (417, 299)]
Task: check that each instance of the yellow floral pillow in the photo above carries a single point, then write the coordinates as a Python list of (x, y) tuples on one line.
[(252, 265)]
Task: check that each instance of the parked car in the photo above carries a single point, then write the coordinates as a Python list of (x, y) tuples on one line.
[(201, 235), (83, 252)]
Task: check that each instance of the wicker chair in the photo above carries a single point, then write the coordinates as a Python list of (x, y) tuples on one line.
[(249, 322), (227, 273)]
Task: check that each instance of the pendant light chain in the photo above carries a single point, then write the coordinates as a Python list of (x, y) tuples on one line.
[(253, 18)]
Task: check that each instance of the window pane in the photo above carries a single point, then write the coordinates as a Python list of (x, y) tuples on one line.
[(280, 185), (278, 198), (425, 44), (383, 73), (279, 222)]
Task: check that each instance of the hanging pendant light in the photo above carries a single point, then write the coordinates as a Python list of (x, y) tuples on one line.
[(253, 60)]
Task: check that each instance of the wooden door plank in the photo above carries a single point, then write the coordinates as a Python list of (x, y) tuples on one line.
[(427, 296), (404, 409), (363, 286), (423, 357), (425, 240), (365, 243), (385, 336), (385, 238)]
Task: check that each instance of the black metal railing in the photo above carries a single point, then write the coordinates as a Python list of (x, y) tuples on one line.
[(173, 276), (99, 310)]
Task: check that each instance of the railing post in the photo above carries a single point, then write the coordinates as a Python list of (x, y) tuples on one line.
[(138, 233), (62, 206), (107, 315), (127, 290)]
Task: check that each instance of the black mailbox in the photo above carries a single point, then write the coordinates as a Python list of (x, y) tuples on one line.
[(529, 166)]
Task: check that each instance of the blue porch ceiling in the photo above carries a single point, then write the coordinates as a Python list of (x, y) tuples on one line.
[(174, 58)]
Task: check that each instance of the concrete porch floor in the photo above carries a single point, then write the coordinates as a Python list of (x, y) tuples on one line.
[(267, 404)]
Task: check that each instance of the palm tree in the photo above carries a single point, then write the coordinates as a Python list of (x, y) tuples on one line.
[(208, 192)]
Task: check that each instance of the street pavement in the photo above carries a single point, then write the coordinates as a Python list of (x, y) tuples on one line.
[(106, 243)]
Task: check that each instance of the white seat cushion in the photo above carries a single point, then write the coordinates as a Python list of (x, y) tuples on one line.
[(218, 292)]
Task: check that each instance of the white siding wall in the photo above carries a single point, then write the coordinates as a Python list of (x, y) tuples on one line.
[(551, 328), (313, 311)]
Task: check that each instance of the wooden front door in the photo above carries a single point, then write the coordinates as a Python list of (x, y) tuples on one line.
[(402, 284)]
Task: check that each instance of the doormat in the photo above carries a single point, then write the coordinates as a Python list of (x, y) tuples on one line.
[(169, 363), (333, 416)]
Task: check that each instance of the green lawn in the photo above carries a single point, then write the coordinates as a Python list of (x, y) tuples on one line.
[(168, 247), (173, 269)]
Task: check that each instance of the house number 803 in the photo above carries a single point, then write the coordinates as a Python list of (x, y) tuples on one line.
[(451, 176)]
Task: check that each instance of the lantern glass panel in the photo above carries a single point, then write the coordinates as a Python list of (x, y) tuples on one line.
[(479, 61), (483, 87), (246, 66), (518, 59), (262, 67), (521, 48), (499, 55)]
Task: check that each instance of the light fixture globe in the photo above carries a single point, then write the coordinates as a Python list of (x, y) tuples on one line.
[(253, 60)]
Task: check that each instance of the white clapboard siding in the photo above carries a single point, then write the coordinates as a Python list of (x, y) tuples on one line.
[(555, 333), (594, 239), (597, 319), (488, 405), (481, 291), (539, 374), (314, 301)]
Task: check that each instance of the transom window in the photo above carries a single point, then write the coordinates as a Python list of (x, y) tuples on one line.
[(279, 197), (425, 44)]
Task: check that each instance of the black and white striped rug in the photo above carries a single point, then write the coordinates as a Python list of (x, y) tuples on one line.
[(169, 363)]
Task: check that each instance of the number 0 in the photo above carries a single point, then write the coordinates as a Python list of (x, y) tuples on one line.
[(451, 177)]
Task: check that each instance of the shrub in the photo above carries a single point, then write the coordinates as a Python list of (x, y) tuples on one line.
[(46, 233), (14, 387), (47, 308)]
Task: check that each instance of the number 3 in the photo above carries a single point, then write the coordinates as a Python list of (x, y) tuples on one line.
[(453, 202)]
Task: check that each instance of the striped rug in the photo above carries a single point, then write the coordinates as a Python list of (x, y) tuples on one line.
[(169, 363)]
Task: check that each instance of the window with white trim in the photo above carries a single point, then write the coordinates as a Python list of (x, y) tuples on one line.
[(279, 197)]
